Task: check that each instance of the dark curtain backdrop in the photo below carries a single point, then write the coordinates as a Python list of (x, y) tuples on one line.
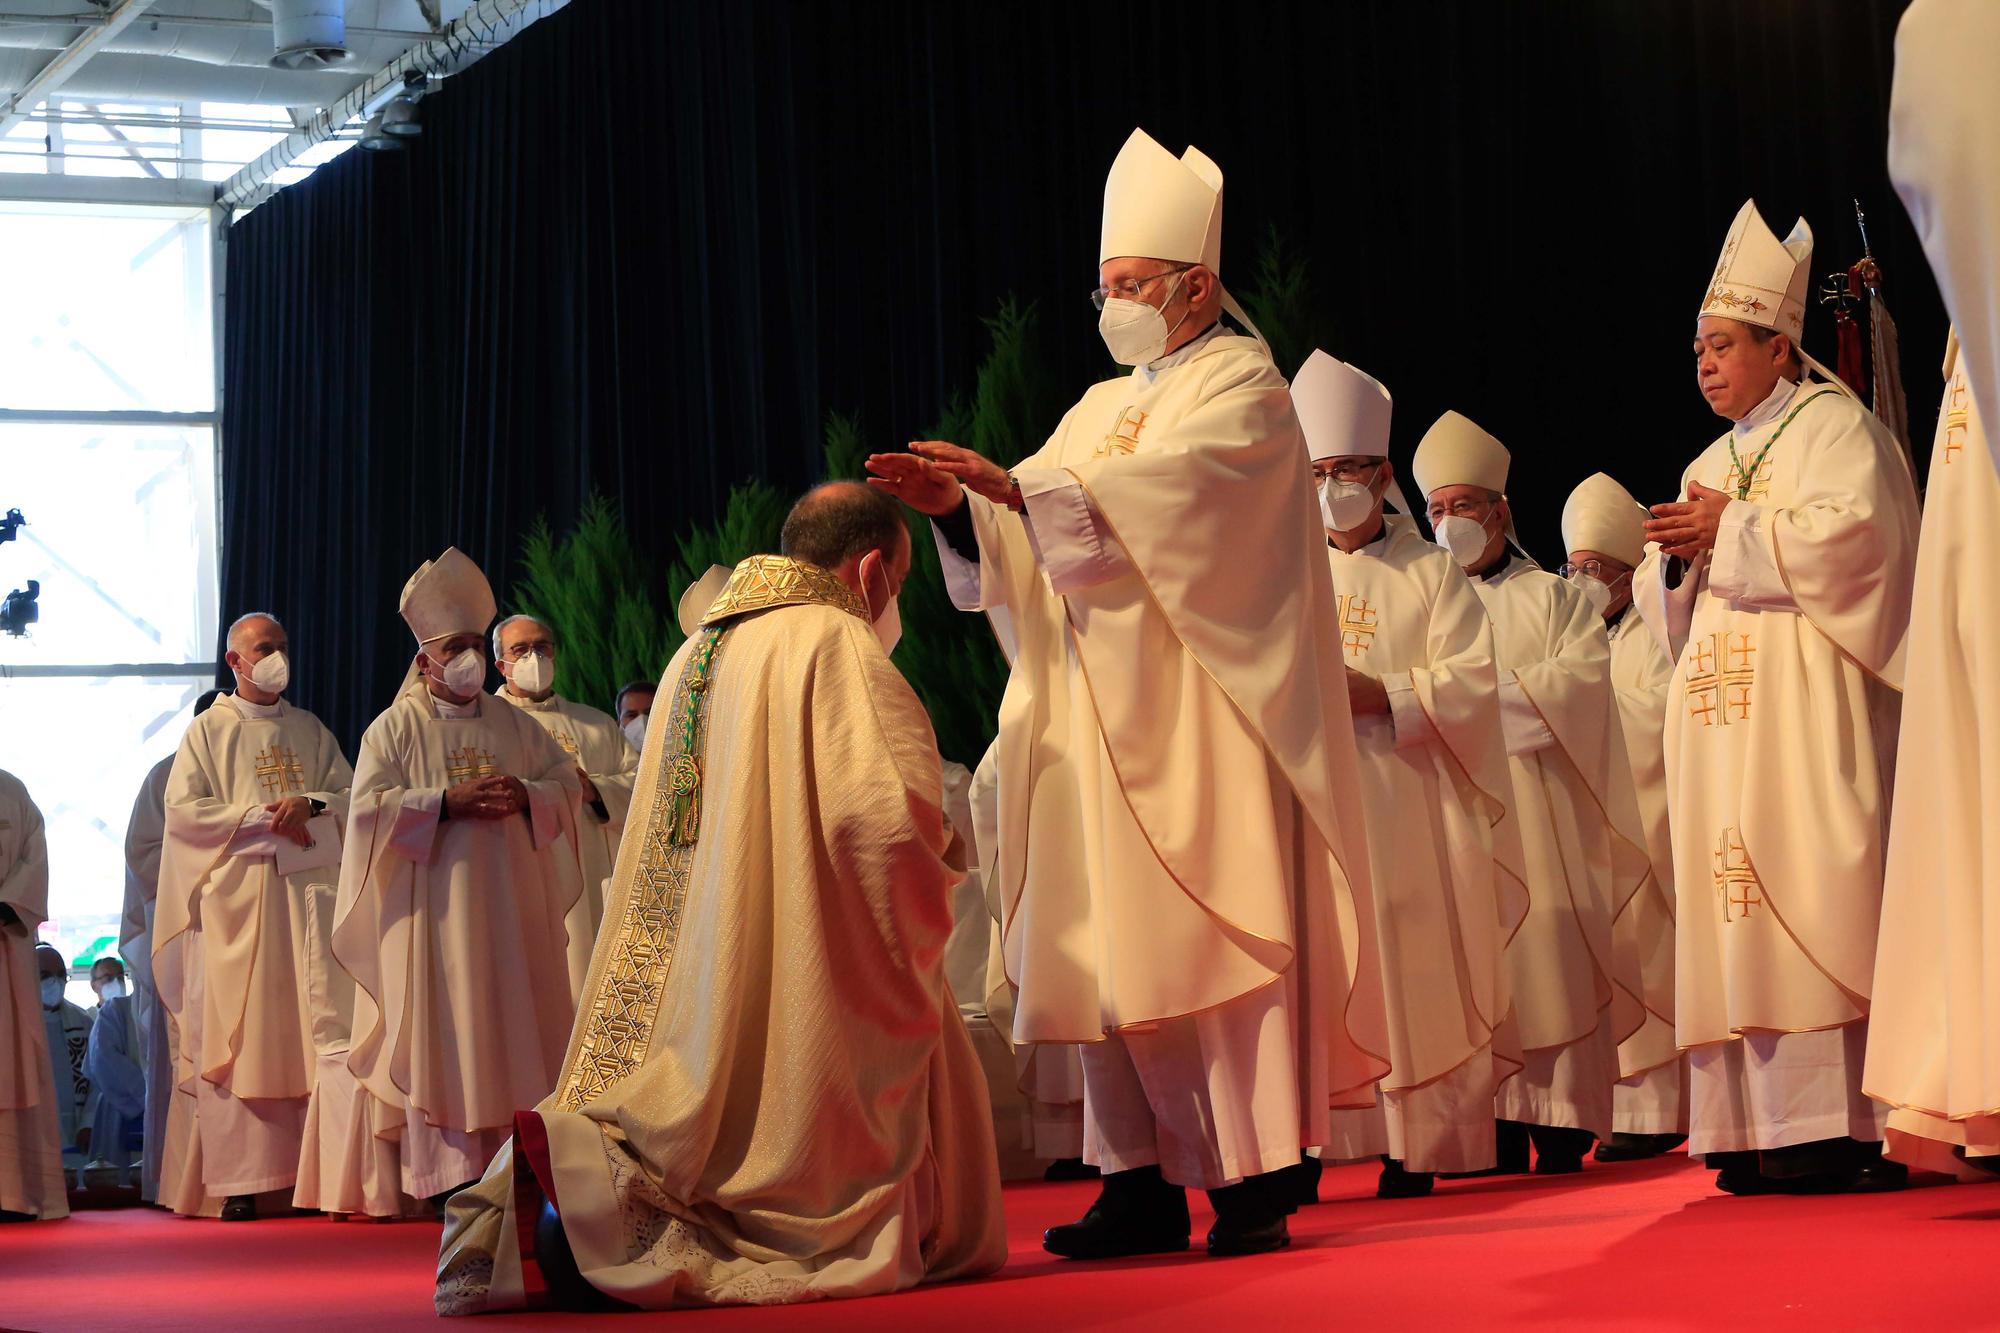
[(646, 247)]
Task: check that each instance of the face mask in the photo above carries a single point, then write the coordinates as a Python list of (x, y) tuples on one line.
[(465, 675), (52, 992), (889, 626), (1595, 591), (111, 990), (534, 673), (272, 674), (1464, 538), (635, 731), (1345, 505), (1135, 332)]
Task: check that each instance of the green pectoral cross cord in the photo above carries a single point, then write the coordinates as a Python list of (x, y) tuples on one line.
[(1746, 476)]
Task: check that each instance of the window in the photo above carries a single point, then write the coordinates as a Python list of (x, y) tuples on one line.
[(107, 446)]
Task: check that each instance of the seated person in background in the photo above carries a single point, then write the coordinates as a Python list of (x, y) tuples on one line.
[(68, 1028), (111, 1063)]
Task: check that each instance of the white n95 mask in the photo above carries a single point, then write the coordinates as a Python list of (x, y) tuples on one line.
[(272, 674), (1345, 505), (534, 673), (1465, 538), (1595, 591), (1134, 332), (635, 730), (465, 674)]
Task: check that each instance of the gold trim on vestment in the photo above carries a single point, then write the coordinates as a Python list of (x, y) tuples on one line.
[(765, 581), (626, 1005)]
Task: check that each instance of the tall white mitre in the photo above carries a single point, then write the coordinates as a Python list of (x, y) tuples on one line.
[(1456, 452), (447, 596), (1158, 206), (701, 595), (1344, 412), (1762, 280), (1601, 515)]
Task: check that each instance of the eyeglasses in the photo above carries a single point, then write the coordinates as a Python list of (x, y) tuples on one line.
[(1596, 569), (1476, 510), (1129, 288), (539, 647), (1347, 469)]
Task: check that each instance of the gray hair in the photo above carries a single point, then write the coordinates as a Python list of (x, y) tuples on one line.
[(245, 619), (515, 620)]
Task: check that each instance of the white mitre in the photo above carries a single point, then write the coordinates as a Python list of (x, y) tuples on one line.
[(1158, 206), (1601, 515), (1344, 413), (701, 595), (1760, 279), (447, 596), (1455, 452)]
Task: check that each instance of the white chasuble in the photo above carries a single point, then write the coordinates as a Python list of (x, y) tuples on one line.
[(31, 1174), (1649, 1097), (1781, 738), (769, 1095), (1936, 1011), (1576, 994), (145, 839), (596, 745), (452, 930), (1180, 817), (241, 940), (1434, 774)]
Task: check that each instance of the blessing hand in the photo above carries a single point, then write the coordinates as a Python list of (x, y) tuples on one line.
[(917, 482), (1687, 528)]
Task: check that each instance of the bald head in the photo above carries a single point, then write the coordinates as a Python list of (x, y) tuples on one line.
[(251, 631), (841, 522)]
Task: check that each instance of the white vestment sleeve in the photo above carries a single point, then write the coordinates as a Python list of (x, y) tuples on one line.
[(1074, 544), (416, 824), (1745, 564), (1406, 714), (254, 837), (1520, 720), (961, 576)]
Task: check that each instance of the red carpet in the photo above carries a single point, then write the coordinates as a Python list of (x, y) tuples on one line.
[(1639, 1246)]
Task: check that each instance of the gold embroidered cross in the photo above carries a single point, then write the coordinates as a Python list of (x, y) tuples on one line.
[(466, 763), (279, 771), (1955, 418), (567, 741), (1719, 679), (1736, 883), (1760, 481), (1358, 623), (1124, 438)]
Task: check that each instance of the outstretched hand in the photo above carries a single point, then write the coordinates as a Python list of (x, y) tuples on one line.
[(921, 477), (1687, 528)]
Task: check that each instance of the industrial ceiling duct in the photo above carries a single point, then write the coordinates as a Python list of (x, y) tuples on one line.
[(308, 34)]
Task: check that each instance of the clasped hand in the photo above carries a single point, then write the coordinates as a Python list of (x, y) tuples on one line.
[(493, 797), (1687, 528), (928, 478), (1365, 694), (288, 819)]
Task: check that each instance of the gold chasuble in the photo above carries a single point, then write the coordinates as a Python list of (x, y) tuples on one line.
[(1937, 975), (1179, 800), (1449, 886), (769, 1095), (1782, 716)]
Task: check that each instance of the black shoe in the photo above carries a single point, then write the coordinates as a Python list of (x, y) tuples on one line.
[(1871, 1173), (1303, 1180), (1510, 1153), (1395, 1182), (9, 1215), (1137, 1212), (1070, 1168), (1250, 1215), (1637, 1147), (1736, 1173), (240, 1208), (1559, 1150)]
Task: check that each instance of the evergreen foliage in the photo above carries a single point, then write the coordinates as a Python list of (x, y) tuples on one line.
[(585, 586), (1280, 299)]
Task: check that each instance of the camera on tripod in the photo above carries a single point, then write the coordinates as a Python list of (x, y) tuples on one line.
[(20, 608)]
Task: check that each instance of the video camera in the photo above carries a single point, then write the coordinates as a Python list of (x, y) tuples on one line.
[(19, 609)]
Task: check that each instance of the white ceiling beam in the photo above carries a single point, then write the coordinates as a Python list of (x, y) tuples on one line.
[(69, 60), (106, 190)]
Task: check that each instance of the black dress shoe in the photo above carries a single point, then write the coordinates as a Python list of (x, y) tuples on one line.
[(1396, 1182), (1137, 1212), (1228, 1240), (1637, 1147), (1510, 1153), (1070, 1168), (1559, 1149), (1250, 1215), (1871, 1173), (240, 1208), (1736, 1173), (1304, 1180)]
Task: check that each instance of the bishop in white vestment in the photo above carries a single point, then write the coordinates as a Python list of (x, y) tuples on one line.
[(1190, 902), (769, 1095), (1781, 587), (1444, 855), (1576, 995), (524, 650), (1604, 532), (244, 921), (460, 874), (31, 1174)]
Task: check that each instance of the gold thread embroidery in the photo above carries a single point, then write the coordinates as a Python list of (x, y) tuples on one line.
[(1760, 481), (1733, 300), (1736, 882), (469, 762), (279, 771), (765, 581), (1721, 674), (1124, 437), (1956, 418), (1359, 622), (627, 1003), (568, 743)]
